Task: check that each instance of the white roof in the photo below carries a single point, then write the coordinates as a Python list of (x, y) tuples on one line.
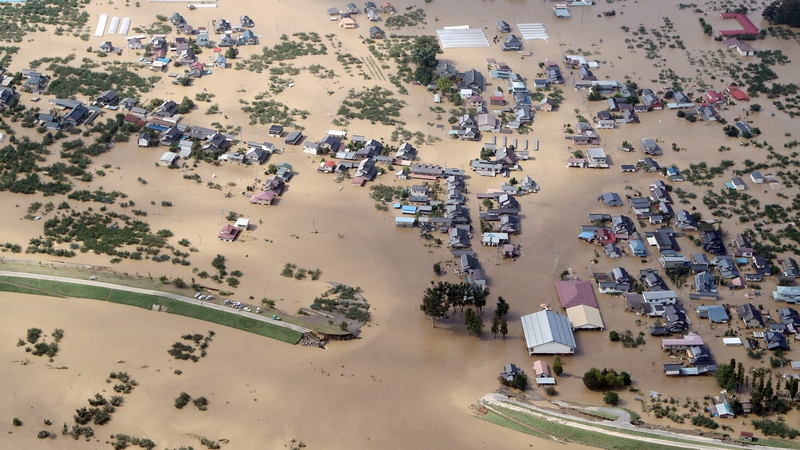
[(241, 222), (544, 327), (732, 341), (583, 316), (169, 156), (658, 295)]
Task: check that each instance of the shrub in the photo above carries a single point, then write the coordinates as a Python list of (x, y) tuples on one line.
[(201, 403), (704, 421), (182, 400), (551, 391), (614, 336), (611, 398), (16, 422)]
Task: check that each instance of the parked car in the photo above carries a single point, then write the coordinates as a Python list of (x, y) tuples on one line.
[(246, 309)]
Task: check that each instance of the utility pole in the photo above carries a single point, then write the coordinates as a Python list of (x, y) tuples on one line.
[(313, 230), (220, 216)]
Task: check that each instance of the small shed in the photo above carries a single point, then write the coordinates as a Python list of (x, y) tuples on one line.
[(242, 223), (404, 221), (542, 372)]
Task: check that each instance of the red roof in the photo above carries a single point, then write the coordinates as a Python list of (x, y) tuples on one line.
[(714, 96), (217, 49), (136, 120), (228, 232), (496, 97), (737, 94), (575, 293), (747, 434), (744, 21)]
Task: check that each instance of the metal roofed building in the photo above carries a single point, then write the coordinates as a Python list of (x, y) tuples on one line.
[(584, 317), (576, 292), (548, 333)]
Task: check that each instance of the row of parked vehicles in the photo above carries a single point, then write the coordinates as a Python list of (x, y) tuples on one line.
[(234, 304)]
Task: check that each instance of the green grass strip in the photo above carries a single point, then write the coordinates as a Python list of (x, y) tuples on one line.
[(23, 289), (204, 313), (60, 288), (146, 301), (585, 437), (497, 419)]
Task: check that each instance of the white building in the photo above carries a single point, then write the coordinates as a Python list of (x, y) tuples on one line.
[(548, 333)]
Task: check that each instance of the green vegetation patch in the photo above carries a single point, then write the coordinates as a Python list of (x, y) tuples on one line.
[(409, 19), (585, 437), (497, 419), (375, 104), (57, 288), (46, 287), (22, 18), (69, 81), (306, 44), (269, 111)]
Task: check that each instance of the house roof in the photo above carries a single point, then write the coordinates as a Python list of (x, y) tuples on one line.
[(583, 316), (540, 368), (545, 327), (576, 292), (690, 339)]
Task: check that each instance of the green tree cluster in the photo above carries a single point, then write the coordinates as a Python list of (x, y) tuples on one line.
[(606, 379), (499, 323), (783, 12)]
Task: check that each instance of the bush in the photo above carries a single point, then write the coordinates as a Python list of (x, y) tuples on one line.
[(604, 380), (16, 422), (520, 381), (611, 398), (551, 391), (614, 336), (704, 421), (182, 400)]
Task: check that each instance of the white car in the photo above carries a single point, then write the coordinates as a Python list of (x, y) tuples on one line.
[(202, 297), (259, 310), (93, 277), (228, 302), (246, 309), (196, 295), (210, 297)]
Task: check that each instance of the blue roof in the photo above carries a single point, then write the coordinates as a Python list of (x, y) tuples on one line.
[(409, 209), (586, 235), (404, 219), (153, 126)]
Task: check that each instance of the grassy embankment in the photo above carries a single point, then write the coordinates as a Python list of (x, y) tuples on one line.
[(542, 427), (60, 289)]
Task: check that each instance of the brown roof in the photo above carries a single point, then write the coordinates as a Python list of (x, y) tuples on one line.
[(576, 292)]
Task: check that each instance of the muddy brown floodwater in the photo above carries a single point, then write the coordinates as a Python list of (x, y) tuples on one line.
[(404, 384)]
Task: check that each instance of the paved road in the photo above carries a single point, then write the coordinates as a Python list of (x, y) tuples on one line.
[(169, 295), (702, 443)]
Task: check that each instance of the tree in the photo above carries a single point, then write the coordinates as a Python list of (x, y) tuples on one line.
[(230, 53), (495, 326), (558, 369), (444, 84), (179, 283), (479, 298), (611, 398), (520, 381), (502, 307), (185, 106), (434, 302), (474, 322), (783, 12), (604, 380), (755, 107), (503, 327), (437, 268), (614, 336)]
